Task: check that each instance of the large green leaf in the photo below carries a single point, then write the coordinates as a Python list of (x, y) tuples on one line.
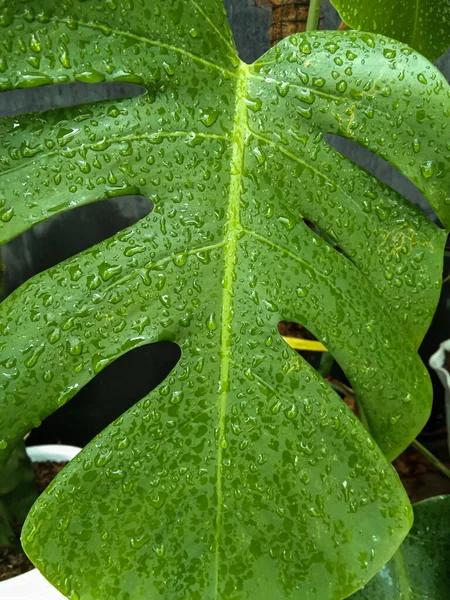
[(420, 568), (243, 475), (423, 24)]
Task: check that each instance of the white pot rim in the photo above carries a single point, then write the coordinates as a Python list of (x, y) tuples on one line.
[(32, 584), (52, 452), (437, 362)]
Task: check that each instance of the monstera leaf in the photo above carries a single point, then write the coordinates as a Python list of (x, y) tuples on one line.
[(419, 569), (243, 475), (423, 24)]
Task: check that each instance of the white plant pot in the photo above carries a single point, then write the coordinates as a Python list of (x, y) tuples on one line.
[(437, 362), (33, 585)]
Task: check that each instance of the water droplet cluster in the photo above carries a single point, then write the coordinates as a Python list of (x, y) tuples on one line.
[(424, 25), (242, 475)]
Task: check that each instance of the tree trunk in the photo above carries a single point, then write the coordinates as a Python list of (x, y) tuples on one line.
[(288, 17)]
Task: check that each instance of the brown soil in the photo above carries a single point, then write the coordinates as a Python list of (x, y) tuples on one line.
[(45, 473), (290, 329), (14, 563)]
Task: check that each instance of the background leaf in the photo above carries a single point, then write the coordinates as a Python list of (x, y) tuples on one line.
[(422, 24), (243, 474), (420, 568)]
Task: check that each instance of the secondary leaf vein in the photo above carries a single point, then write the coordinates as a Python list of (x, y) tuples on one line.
[(110, 141), (145, 40)]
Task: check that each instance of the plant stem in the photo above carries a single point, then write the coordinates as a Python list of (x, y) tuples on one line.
[(313, 15), (338, 386), (326, 363), (446, 279), (7, 537), (432, 458)]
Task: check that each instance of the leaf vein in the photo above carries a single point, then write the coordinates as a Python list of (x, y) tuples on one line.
[(307, 165), (163, 261), (268, 242), (216, 29), (319, 93), (118, 140), (143, 39)]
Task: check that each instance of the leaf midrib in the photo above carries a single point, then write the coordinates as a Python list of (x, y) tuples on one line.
[(232, 233)]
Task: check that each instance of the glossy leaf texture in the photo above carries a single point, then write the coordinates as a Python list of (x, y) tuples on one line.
[(420, 568), (243, 475), (422, 24)]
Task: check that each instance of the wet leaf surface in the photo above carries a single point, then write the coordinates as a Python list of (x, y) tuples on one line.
[(243, 475), (422, 24), (419, 569)]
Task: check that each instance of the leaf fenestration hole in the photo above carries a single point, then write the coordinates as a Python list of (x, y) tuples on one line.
[(114, 390), (322, 234), (383, 171), (309, 348), (39, 99), (302, 340), (67, 234)]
